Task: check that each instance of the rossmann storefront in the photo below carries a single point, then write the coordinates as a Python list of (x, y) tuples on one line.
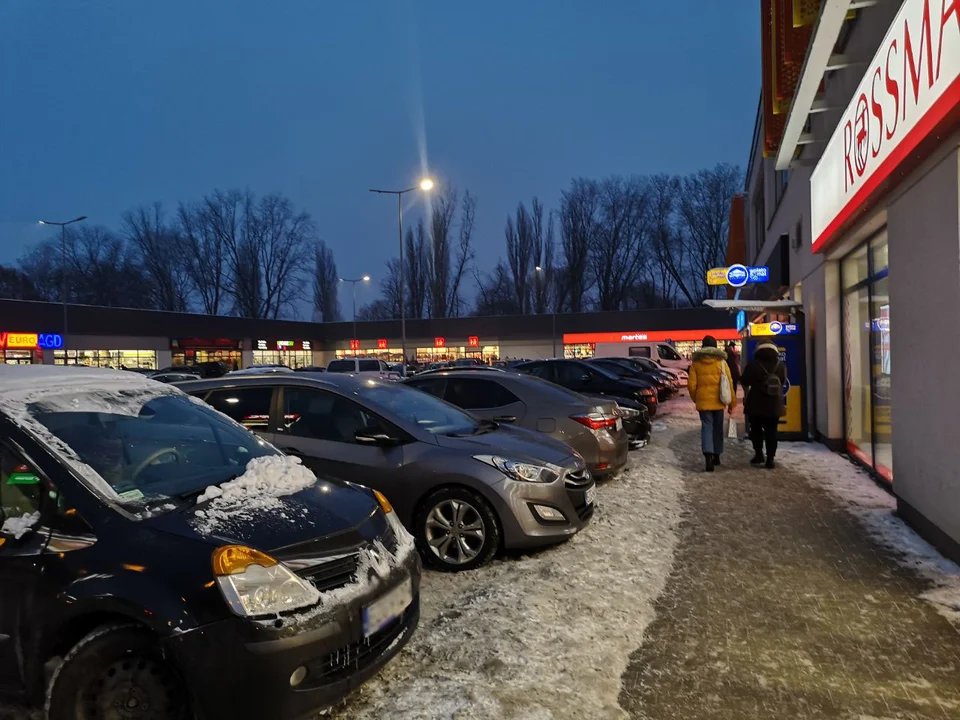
[(884, 215)]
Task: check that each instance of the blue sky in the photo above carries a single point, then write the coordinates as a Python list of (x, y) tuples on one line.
[(107, 104)]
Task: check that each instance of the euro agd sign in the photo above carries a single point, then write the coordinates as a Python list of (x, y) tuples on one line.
[(738, 275)]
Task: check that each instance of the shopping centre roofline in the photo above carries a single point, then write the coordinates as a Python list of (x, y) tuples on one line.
[(820, 54)]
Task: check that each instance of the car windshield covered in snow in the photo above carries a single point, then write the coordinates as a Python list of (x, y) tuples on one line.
[(423, 410), (148, 446)]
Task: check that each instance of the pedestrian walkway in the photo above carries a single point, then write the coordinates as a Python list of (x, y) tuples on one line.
[(780, 606)]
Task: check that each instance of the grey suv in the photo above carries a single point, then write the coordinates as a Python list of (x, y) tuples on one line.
[(464, 487), (591, 426)]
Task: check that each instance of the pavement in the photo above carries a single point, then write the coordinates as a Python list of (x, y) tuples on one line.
[(780, 606)]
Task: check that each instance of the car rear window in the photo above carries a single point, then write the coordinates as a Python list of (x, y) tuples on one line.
[(344, 366)]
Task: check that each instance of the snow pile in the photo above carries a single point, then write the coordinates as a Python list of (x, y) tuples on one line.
[(875, 508), (264, 481), (18, 526), (544, 636)]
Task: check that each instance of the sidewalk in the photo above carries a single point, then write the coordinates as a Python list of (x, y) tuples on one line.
[(780, 606)]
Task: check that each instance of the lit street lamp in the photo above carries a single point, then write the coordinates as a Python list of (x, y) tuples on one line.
[(63, 272), (426, 184), (365, 278)]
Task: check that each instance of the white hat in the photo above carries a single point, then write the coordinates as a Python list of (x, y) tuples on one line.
[(768, 346)]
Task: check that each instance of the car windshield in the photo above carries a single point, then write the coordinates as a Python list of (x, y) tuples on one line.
[(145, 447), (423, 410)]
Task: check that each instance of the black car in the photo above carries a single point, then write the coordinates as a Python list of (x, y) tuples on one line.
[(648, 365), (623, 369), (588, 379), (178, 565)]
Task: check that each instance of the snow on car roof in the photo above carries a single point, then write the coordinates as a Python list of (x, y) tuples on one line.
[(73, 388), (19, 380)]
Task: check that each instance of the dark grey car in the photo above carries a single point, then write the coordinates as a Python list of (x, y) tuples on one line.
[(464, 487), (591, 426)]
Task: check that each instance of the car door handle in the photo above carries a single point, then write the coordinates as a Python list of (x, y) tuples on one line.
[(505, 418)]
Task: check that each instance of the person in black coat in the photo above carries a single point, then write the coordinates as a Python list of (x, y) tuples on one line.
[(733, 362), (764, 381)]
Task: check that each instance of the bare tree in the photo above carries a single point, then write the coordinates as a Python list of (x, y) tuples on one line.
[(17, 285), (417, 261), (496, 294), (620, 242), (519, 236), (464, 256), (542, 257), (100, 269), (326, 284), (664, 193), (266, 259), (704, 215), (578, 208), (208, 228), (441, 226), (161, 255)]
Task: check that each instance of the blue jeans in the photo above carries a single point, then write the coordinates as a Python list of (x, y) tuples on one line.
[(712, 431)]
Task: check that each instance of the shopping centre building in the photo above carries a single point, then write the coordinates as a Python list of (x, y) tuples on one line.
[(853, 196), (33, 332)]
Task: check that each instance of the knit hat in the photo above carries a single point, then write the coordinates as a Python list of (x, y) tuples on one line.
[(709, 341), (767, 346)]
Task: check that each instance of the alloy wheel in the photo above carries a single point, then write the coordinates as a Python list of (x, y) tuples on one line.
[(455, 531)]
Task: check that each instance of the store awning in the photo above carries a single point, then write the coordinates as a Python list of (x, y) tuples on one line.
[(819, 60), (756, 305)]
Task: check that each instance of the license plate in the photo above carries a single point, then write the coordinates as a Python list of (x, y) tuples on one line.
[(591, 494), (380, 613), (619, 424)]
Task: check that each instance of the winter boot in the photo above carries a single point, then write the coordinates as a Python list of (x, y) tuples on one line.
[(770, 463), (757, 459), (716, 460), (709, 458)]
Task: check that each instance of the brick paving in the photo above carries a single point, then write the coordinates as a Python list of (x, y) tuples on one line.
[(779, 606)]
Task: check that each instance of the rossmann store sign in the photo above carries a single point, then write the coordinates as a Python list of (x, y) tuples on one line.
[(911, 92)]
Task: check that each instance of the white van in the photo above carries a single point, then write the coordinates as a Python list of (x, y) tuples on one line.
[(660, 352), (363, 366)]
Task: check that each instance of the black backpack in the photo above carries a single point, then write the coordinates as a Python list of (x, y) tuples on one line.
[(771, 384)]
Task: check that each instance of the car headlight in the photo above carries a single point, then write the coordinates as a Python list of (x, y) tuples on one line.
[(253, 583), (525, 472), (628, 412)]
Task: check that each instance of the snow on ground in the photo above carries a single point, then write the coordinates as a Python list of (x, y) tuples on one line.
[(544, 636), (875, 509)]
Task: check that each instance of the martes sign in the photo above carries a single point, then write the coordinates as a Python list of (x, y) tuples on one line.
[(910, 91)]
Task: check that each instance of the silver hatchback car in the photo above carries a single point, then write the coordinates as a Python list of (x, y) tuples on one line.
[(464, 487), (591, 426)]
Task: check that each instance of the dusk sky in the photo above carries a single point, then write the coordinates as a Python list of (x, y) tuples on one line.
[(108, 104)]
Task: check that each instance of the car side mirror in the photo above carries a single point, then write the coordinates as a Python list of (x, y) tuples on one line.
[(585, 379), (374, 437)]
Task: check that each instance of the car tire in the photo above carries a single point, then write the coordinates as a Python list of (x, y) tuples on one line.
[(473, 550), (122, 659)]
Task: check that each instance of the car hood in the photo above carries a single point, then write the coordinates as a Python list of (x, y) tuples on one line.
[(329, 516), (514, 444)]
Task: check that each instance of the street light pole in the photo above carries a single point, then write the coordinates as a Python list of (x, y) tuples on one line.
[(426, 185), (63, 272), (365, 278)]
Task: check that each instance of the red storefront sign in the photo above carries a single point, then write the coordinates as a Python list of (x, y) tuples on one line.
[(910, 92), (382, 344), (207, 343), (19, 341), (473, 341), (654, 336), (354, 344), (439, 342)]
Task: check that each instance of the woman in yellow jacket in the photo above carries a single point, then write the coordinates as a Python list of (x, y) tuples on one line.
[(709, 365)]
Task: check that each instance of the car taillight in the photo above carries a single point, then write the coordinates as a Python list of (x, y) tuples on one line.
[(595, 421)]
